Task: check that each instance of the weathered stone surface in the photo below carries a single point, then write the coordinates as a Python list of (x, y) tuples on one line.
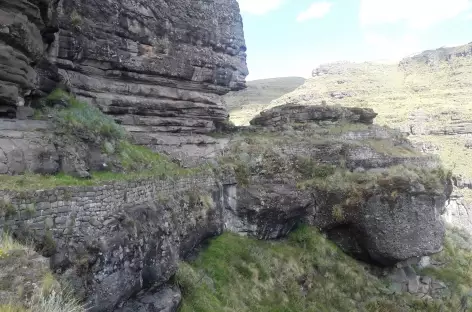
[(379, 222), (158, 66), (21, 46), (34, 146), (405, 279), (301, 114), (166, 299)]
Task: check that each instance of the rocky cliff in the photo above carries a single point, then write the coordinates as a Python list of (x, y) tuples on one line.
[(118, 243), (158, 67)]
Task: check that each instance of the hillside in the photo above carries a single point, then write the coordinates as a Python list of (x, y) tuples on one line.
[(426, 96), (243, 105)]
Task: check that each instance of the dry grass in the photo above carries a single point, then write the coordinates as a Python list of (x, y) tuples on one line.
[(27, 285)]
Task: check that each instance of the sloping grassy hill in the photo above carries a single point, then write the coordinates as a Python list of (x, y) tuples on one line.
[(428, 96), (243, 105), (308, 273)]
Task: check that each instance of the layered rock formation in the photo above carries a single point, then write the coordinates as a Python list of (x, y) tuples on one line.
[(23, 24), (159, 67)]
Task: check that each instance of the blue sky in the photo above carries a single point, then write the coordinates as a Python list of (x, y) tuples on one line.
[(291, 37)]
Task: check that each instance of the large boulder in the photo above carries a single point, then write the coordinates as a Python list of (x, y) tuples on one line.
[(365, 186)]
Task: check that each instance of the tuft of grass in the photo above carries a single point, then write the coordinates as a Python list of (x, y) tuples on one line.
[(305, 273), (56, 301), (75, 18), (8, 244), (44, 293), (83, 119)]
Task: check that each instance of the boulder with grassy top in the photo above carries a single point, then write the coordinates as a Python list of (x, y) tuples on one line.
[(366, 186)]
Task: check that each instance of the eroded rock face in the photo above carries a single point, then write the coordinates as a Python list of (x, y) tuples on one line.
[(21, 46), (158, 66), (364, 185)]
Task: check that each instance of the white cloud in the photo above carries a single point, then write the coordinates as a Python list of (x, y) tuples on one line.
[(316, 10), (391, 48), (419, 14), (259, 7)]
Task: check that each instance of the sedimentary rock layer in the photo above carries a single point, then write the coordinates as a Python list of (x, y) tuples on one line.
[(158, 66)]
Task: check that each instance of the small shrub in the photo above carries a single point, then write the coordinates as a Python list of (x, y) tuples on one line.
[(75, 18), (310, 168), (48, 243), (83, 119), (242, 173)]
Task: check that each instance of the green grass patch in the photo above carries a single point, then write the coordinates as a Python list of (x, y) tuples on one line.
[(388, 147), (8, 244), (305, 273), (83, 119), (32, 181), (12, 308)]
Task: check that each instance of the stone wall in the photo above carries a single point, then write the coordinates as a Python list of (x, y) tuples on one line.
[(110, 242), (84, 209)]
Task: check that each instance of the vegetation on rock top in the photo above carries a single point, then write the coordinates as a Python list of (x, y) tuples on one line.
[(80, 121), (427, 96)]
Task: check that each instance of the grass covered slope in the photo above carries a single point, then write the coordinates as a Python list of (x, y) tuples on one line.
[(308, 273), (243, 104)]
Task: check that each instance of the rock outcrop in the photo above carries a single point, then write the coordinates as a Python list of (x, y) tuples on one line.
[(158, 67), (287, 114), (23, 25), (425, 96), (364, 185), (118, 244)]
